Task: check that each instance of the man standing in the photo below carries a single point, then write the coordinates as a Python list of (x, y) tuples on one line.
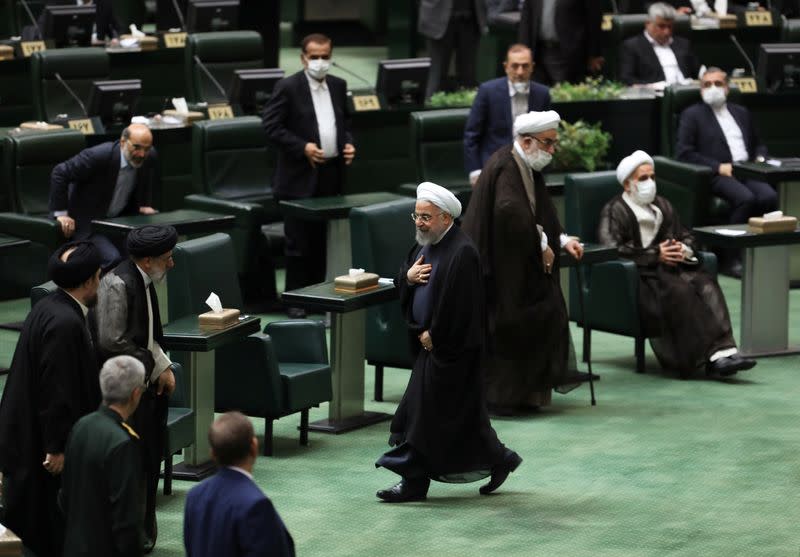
[(306, 118), (514, 225), (228, 515), (129, 323), (100, 494), (451, 26), (107, 180), (498, 102), (51, 384), (441, 428)]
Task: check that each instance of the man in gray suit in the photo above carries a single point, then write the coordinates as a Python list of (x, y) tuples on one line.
[(451, 25)]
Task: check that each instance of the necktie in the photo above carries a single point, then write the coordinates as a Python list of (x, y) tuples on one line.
[(126, 181)]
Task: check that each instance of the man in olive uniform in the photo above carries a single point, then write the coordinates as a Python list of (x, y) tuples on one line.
[(100, 492)]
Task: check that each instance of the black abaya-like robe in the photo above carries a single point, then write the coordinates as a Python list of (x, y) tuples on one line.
[(681, 307)]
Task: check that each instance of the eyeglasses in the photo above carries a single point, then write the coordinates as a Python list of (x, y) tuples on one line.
[(424, 217), (546, 143)]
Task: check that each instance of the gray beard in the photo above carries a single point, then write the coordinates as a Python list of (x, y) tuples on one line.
[(425, 238)]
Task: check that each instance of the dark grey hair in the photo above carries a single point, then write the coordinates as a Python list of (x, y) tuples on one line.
[(715, 69), (662, 10), (119, 377)]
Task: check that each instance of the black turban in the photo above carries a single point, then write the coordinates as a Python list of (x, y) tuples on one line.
[(151, 241), (80, 266)]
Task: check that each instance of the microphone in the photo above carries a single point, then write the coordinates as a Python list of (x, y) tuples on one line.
[(744, 55), (33, 19), (203, 67), (72, 93), (179, 14), (345, 70)]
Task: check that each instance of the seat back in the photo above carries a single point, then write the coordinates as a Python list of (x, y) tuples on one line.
[(29, 159), (41, 291), (790, 32), (78, 67), (222, 53), (180, 396), (381, 236), (585, 195), (437, 146)]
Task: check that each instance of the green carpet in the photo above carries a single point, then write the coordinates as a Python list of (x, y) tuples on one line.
[(659, 467)]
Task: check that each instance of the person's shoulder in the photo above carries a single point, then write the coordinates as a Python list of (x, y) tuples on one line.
[(615, 203), (736, 107), (334, 81), (635, 41), (681, 42), (493, 84), (695, 110)]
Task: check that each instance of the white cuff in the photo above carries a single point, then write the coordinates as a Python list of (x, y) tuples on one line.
[(60, 214), (688, 252), (161, 361), (543, 234), (564, 239), (719, 354), (474, 174)]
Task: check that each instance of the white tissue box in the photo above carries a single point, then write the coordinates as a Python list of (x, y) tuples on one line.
[(213, 320)]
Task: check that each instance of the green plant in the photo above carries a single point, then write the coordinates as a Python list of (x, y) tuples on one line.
[(460, 98), (581, 146), (591, 89)]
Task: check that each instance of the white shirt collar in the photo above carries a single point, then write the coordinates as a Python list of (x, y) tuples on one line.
[(654, 42), (512, 91), (84, 309), (145, 276), (314, 84), (241, 471)]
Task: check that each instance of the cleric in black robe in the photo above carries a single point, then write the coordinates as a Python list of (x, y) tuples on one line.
[(681, 305), (441, 427), (514, 225), (53, 381)]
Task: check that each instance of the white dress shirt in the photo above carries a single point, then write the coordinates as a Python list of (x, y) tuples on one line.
[(160, 358), (666, 57), (326, 119), (733, 133)]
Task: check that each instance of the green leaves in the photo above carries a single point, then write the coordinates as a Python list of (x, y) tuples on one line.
[(460, 98), (591, 89), (582, 146)]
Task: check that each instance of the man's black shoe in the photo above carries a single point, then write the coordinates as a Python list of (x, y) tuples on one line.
[(725, 367), (511, 461), (296, 313), (405, 491)]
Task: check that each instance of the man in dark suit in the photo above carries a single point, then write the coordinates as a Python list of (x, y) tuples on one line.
[(656, 55), (102, 470), (565, 37), (306, 119), (497, 103), (107, 180), (228, 515), (451, 26)]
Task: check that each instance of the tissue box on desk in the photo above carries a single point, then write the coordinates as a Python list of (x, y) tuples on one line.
[(146, 43), (760, 225), (356, 283), (213, 320), (188, 117)]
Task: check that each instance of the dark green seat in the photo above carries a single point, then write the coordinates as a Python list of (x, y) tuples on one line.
[(180, 424), (611, 289), (222, 53), (265, 375), (790, 32), (78, 67), (381, 236)]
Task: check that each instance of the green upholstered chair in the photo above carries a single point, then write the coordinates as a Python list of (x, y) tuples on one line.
[(41, 291), (222, 52), (78, 67), (611, 289), (381, 236), (232, 168), (180, 424), (790, 32), (258, 376)]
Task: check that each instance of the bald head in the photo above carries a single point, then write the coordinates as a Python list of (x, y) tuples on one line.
[(232, 440)]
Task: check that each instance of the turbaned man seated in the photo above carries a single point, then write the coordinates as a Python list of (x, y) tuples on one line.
[(681, 306)]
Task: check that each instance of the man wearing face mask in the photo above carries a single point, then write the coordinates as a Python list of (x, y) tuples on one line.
[(498, 102), (514, 225), (112, 179), (306, 119), (681, 306), (128, 323)]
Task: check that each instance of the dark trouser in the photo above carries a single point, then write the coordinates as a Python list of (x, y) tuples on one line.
[(112, 253), (747, 198), (150, 422), (306, 248), (32, 512), (463, 36), (551, 65)]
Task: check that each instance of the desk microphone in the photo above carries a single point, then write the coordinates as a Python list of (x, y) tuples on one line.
[(179, 14), (33, 19), (744, 55), (216, 83), (72, 93), (345, 70)]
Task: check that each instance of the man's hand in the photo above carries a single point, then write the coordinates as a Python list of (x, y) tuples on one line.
[(419, 272), (314, 154), (547, 260), (595, 64), (685, 10), (575, 249), (670, 252), (726, 169), (166, 382), (349, 153), (147, 211), (54, 463), (425, 341), (67, 225)]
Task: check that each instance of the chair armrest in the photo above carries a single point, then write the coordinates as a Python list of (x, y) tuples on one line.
[(248, 378), (690, 174), (243, 211), (709, 262), (299, 341), (41, 230), (613, 301)]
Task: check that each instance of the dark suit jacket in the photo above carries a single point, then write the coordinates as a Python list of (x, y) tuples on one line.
[(638, 62), (84, 185), (701, 140), (578, 27), (490, 125), (434, 17), (290, 122), (229, 516)]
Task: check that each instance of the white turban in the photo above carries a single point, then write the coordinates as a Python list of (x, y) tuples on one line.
[(535, 122), (439, 196), (630, 163)]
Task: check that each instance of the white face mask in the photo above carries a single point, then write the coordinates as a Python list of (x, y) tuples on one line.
[(318, 68), (520, 86), (713, 96), (538, 159), (644, 193)]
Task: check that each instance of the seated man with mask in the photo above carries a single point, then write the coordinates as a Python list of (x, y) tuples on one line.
[(681, 306)]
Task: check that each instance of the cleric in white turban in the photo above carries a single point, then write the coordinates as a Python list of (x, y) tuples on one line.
[(535, 122), (439, 196)]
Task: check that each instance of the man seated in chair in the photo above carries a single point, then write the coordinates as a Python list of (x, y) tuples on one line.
[(681, 306)]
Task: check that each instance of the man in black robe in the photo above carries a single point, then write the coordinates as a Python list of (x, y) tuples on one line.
[(514, 225), (681, 306), (441, 428), (51, 384)]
